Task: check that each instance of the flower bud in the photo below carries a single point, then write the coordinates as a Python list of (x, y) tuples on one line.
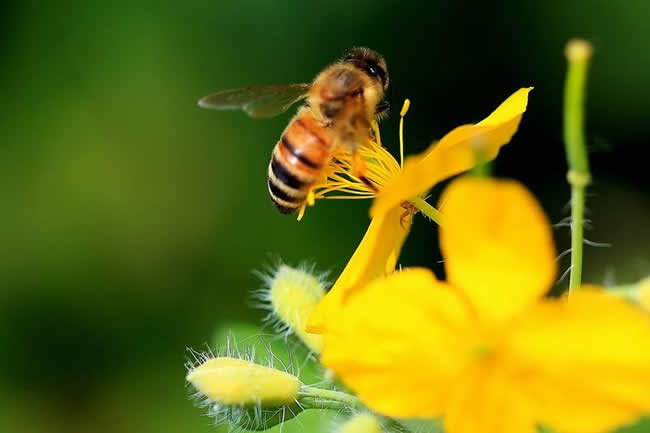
[(637, 293), (245, 394), (578, 50), (237, 382), (362, 423), (644, 293), (293, 295)]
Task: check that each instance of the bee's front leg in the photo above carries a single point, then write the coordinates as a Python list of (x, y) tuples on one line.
[(382, 108)]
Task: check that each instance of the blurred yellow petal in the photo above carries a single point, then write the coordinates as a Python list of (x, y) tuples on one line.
[(488, 401), (455, 153), (400, 343), (497, 245), (375, 256), (510, 109), (587, 362)]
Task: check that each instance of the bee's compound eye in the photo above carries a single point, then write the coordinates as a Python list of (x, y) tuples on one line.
[(375, 70)]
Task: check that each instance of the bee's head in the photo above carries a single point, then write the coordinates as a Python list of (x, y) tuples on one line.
[(369, 62)]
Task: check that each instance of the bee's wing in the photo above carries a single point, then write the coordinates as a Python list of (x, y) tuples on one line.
[(257, 101)]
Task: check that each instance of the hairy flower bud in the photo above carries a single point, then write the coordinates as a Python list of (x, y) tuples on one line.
[(237, 382), (291, 295), (644, 293), (243, 393), (362, 423)]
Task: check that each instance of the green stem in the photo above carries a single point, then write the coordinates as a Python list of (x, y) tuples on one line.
[(427, 209), (482, 167), (577, 229), (315, 403), (329, 399), (578, 54)]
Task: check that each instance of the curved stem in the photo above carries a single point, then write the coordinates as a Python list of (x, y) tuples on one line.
[(314, 403), (427, 209), (324, 398)]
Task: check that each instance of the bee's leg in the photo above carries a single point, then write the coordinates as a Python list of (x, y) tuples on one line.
[(359, 170), (357, 130), (382, 108)]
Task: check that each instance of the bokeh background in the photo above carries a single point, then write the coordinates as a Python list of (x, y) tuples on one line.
[(130, 220)]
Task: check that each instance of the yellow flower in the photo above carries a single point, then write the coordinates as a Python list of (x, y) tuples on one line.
[(484, 350), (399, 188), (454, 153)]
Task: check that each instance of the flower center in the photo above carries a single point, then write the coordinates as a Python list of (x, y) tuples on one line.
[(482, 351), (380, 167)]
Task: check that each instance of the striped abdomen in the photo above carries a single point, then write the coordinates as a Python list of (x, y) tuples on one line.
[(298, 161)]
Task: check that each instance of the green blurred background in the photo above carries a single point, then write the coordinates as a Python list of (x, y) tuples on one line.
[(130, 220)]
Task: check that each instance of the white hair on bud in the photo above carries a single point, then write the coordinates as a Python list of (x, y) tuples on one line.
[(239, 418), (263, 297)]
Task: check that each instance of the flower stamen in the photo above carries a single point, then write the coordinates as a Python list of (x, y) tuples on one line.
[(402, 113), (358, 175)]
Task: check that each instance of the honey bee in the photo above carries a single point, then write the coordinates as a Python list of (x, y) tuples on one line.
[(340, 104)]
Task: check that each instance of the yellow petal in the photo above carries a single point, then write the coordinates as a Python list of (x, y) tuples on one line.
[(375, 256), (509, 109), (497, 245), (587, 362), (455, 153), (487, 400), (400, 343)]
